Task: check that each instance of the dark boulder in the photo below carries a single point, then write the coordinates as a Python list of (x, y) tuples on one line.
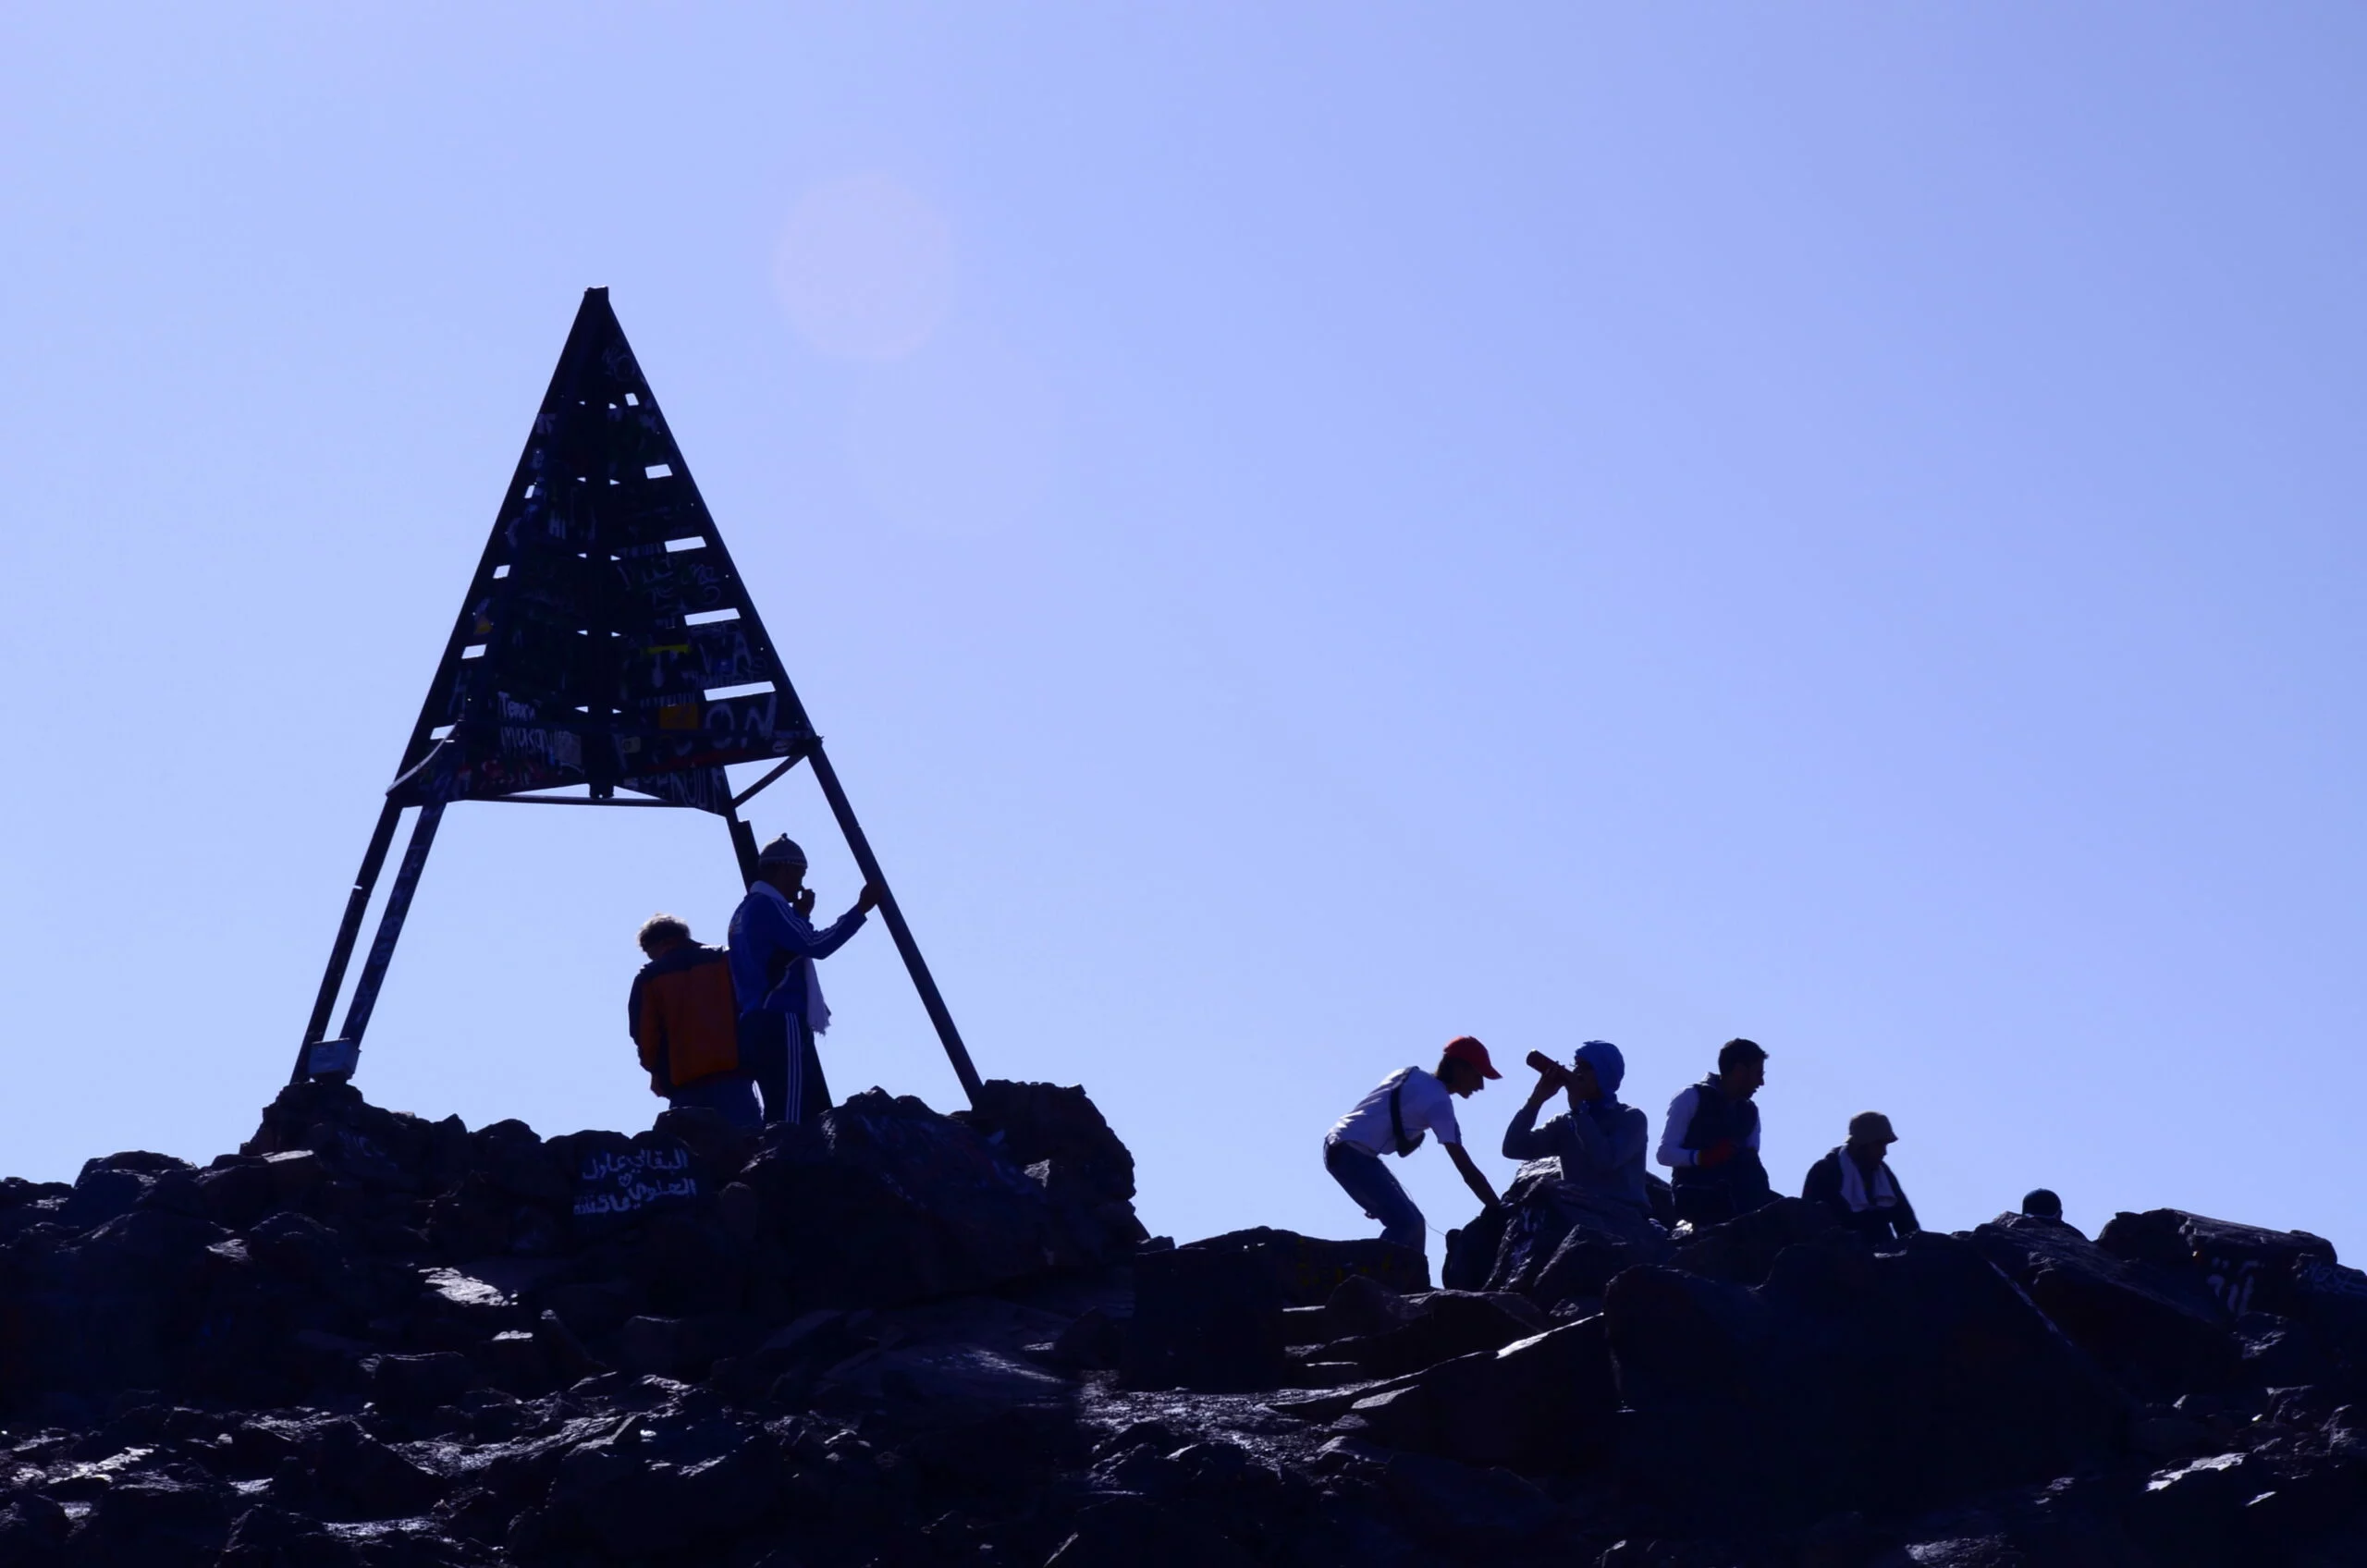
[(1849, 1380), (26, 1203), (1471, 1250), (883, 1200), (2158, 1330), (2193, 1515), (1742, 1250), (2249, 1271), (266, 1536), (1038, 1122), (717, 1149), (1528, 1226), (1095, 1342), (155, 1520), (1127, 1531), (360, 1477), (139, 1160), (2330, 1300), (238, 1194), (109, 1187), (609, 1182), (1209, 1315), (1307, 1269), (353, 1140), (1542, 1404), (1554, 1243), (1583, 1264), (2281, 1352), (2245, 1267), (1473, 1512), (1358, 1305), (1436, 1327), (411, 1385), (102, 1311), (1207, 1319), (643, 1491), (34, 1530)]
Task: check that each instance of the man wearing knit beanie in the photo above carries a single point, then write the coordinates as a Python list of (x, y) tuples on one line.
[(773, 949)]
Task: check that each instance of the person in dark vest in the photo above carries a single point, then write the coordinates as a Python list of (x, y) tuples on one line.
[(1855, 1182), (773, 949), (1393, 1119), (685, 1021), (1710, 1140)]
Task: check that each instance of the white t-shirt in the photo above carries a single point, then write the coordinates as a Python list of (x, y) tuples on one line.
[(1424, 1105)]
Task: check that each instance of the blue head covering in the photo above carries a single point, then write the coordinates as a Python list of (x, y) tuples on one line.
[(1609, 1066)]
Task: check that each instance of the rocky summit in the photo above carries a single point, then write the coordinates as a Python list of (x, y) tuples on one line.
[(897, 1336)]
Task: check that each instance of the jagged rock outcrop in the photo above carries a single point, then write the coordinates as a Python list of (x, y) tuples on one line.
[(904, 1338)]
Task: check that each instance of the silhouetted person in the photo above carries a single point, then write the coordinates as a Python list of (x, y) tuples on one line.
[(1710, 1140), (2042, 1205), (1855, 1182), (1599, 1141), (779, 997), (685, 1020), (1393, 1119)]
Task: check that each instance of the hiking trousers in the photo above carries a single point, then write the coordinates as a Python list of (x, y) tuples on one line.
[(777, 1050), (1367, 1180)]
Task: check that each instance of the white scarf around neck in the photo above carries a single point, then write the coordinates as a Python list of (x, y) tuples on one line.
[(1853, 1186)]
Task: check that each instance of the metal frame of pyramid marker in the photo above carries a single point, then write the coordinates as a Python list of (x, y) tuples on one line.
[(607, 643)]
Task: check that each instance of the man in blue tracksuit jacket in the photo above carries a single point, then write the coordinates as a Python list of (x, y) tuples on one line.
[(772, 953)]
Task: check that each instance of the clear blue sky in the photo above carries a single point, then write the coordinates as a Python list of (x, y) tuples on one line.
[(1308, 529)]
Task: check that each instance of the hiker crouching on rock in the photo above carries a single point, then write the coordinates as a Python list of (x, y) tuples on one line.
[(1599, 1141), (1854, 1182), (1710, 1140), (685, 1020), (1392, 1119), (779, 997)]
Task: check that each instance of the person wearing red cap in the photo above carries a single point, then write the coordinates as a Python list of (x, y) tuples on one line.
[(1393, 1119)]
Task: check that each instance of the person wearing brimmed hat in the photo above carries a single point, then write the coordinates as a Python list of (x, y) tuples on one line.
[(773, 946), (1393, 1119), (1856, 1184)]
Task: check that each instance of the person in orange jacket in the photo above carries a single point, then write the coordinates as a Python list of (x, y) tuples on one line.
[(686, 1022)]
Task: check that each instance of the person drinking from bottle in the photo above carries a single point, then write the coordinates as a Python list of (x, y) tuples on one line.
[(1599, 1141), (1393, 1119), (1710, 1140)]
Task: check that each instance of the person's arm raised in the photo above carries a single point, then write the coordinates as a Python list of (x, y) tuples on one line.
[(810, 943), (1522, 1140)]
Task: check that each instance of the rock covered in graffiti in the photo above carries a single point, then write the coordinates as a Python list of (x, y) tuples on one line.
[(899, 1337)]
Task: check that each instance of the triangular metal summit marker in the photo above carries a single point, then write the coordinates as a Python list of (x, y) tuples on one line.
[(606, 642)]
